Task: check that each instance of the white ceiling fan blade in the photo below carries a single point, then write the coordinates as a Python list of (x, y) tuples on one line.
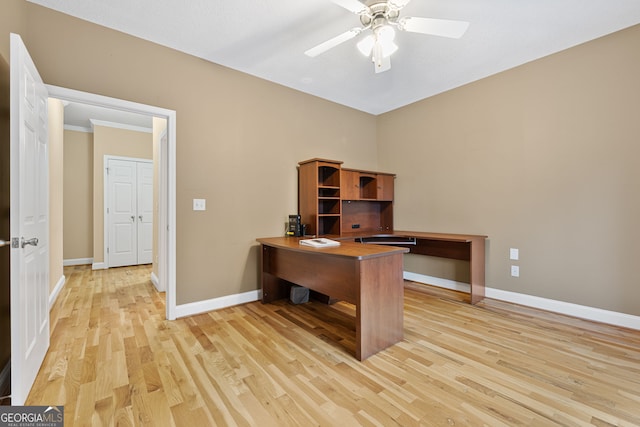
[(398, 4), (331, 43), (353, 5), (434, 27)]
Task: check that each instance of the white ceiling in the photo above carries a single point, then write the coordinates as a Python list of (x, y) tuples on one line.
[(267, 38), (78, 116)]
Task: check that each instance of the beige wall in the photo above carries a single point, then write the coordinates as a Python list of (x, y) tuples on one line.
[(56, 137), (114, 142), (78, 195), (543, 158), (239, 139), (13, 19)]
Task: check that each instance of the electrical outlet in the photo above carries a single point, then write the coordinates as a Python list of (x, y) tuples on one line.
[(515, 271), (514, 254)]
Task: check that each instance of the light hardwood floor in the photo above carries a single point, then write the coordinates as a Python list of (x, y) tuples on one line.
[(114, 360)]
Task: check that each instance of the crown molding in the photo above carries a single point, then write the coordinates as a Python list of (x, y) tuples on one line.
[(78, 128), (120, 126)]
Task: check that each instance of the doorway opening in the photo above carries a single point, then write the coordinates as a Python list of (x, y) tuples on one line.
[(166, 222)]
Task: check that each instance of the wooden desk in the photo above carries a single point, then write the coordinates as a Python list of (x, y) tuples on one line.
[(368, 276), (466, 247)]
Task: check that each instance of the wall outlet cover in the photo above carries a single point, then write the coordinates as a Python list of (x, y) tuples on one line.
[(515, 271), (199, 204)]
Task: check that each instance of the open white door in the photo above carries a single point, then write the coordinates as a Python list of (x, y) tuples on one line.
[(29, 222)]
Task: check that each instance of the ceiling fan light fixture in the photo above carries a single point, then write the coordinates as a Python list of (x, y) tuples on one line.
[(379, 44), (389, 49), (365, 46), (385, 33)]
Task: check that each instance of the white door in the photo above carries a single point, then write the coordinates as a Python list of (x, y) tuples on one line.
[(129, 212), (145, 212), (29, 222), (122, 247)]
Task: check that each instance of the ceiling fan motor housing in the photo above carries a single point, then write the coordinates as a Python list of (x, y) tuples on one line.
[(379, 14)]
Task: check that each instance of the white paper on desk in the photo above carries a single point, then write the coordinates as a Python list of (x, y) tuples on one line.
[(320, 242)]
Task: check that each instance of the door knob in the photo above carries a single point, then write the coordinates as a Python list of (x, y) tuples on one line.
[(133, 218), (33, 242), (140, 217)]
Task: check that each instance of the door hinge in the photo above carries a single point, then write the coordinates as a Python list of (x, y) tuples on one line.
[(107, 250)]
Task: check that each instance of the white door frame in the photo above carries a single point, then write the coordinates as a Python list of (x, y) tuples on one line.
[(167, 191), (162, 219), (105, 194)]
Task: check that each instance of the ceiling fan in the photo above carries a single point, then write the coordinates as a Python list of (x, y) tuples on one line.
[(382, 17)]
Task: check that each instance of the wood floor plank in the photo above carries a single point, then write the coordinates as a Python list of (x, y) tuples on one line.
[(115, 361)]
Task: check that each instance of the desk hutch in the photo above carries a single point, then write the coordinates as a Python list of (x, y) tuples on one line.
[(336, 201), (357, 205)]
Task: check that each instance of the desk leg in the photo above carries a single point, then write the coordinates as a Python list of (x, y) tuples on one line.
[(273, 288), (476, 264), (380, 307)]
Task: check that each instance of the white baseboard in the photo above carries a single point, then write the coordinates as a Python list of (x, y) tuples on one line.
[(156, 282), (570, 309), (184, 310), (437, 281), (99, 266), (53, 296), (77, 261), (561, 307)]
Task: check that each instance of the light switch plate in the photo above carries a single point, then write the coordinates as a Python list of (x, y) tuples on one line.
[(514, 254), (199, 205)]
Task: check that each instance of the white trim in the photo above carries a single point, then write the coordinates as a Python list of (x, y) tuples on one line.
[(104, 123), (78, 128), (560, 307), (156, 282), (160, 261), (56, 291), (99, 266), (570, 309), (167, 166), (192, 308), (77, 261), (168, 226)]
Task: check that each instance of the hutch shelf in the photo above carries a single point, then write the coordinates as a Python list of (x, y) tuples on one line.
[(336, 201)]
